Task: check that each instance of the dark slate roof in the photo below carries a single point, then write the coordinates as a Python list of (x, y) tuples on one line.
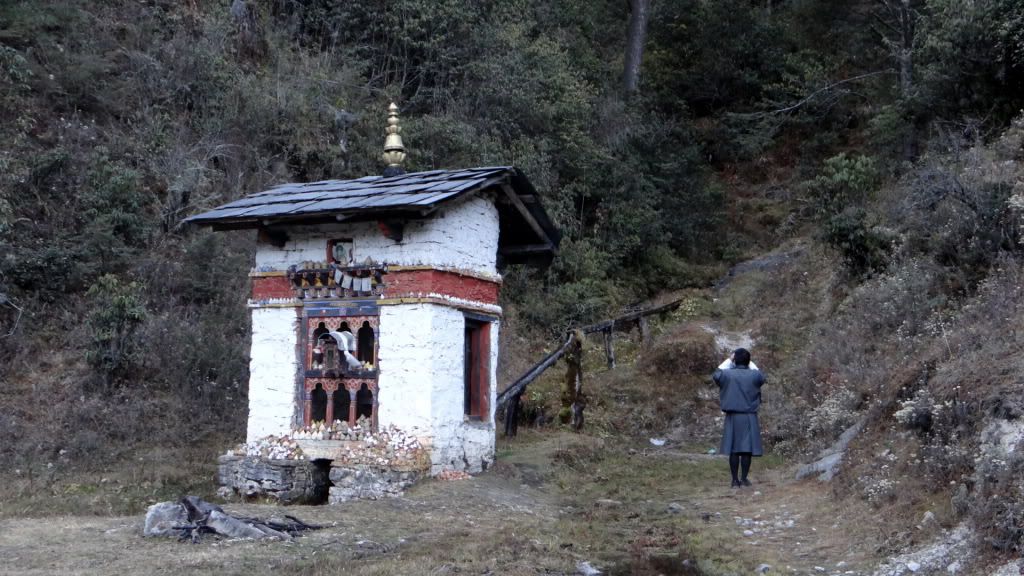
[(411, 195)]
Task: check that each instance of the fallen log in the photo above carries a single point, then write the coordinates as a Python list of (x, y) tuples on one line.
[(191, 517)]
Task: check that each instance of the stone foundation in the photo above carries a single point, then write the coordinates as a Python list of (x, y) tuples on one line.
[(310, 481), (358, 482), (286, 481)]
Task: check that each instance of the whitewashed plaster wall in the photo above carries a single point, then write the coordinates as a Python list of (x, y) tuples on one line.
[(404, 356), (458, 443), (422, 385), (463, 236), (272, 370)]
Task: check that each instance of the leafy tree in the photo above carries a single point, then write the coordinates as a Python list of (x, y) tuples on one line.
[(118, 310)]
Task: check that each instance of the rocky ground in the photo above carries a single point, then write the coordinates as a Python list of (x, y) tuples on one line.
[(554, 504)]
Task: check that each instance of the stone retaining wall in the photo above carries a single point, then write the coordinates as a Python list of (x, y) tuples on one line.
[(287, 481), (309, 481), (369, 483)]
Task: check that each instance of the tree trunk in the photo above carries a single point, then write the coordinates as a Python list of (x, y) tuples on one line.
[(905, 61), (906, 49), (639, 13)]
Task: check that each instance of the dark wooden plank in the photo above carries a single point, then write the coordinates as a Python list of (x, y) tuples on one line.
[(514, 198), (628, 320), (519, 385), (526, 249)]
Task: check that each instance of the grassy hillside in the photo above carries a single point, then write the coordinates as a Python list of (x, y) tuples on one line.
[(779, 165)]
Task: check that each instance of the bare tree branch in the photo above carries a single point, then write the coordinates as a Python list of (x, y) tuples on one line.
[(5, 300), (816, 93)]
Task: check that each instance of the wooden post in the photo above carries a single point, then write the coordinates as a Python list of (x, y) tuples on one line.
[(645, 331), (510, 413), (307, 407), (373, 412), (573, 400), (609, 348), (512, 416), (351, 407), (580, 400), (329, 414)]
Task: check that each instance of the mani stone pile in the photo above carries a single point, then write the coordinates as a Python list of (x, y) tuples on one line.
[(359, 445), (351, 462), (272, 448)]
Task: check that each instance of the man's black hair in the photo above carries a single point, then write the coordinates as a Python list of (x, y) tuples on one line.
[(741, 357)]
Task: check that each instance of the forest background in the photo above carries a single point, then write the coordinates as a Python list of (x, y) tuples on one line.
[(668, 138)]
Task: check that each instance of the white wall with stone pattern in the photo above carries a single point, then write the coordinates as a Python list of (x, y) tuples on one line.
[(404, 357), (458, 443), (272, 372), (421, 359), (463, 236)]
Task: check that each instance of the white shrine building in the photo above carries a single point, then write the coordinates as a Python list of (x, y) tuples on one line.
[(377, 298)]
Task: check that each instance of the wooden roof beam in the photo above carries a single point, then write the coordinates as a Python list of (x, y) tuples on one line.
[(525, 249), (518, 203)]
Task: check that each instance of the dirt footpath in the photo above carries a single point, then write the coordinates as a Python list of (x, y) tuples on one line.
[(552, 502)]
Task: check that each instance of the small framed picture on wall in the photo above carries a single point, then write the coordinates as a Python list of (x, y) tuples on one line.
[(341, 252)]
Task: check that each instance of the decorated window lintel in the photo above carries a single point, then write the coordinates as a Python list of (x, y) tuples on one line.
[(342, 346)]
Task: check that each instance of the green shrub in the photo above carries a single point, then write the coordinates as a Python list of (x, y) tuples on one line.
[(999, 502), (865, 247), (117, 311), (845, 181)]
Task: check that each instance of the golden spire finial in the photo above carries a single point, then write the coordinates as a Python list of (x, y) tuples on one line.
[(394, 150)]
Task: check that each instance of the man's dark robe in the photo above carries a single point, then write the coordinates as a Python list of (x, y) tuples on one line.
[(739, 393)]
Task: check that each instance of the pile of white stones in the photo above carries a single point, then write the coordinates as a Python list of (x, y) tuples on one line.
[(271, 448), (315, 431), (387, 447)]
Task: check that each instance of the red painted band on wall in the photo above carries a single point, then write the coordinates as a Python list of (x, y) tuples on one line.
[(411, 283), (400, 284), (267, 287)]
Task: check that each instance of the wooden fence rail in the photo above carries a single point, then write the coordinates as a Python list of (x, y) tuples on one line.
[(510, 397)]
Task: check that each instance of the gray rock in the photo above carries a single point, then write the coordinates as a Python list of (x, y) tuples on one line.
[(827, 464), (675, 508), (585, 569), (607, 503), (825, 468), (1012, 568), (763, 568), (161, 519), (958, 544)]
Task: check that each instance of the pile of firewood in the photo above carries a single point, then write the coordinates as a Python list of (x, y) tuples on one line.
[(191, 517)]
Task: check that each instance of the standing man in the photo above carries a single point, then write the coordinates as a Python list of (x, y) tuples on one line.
[(739, 394)]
